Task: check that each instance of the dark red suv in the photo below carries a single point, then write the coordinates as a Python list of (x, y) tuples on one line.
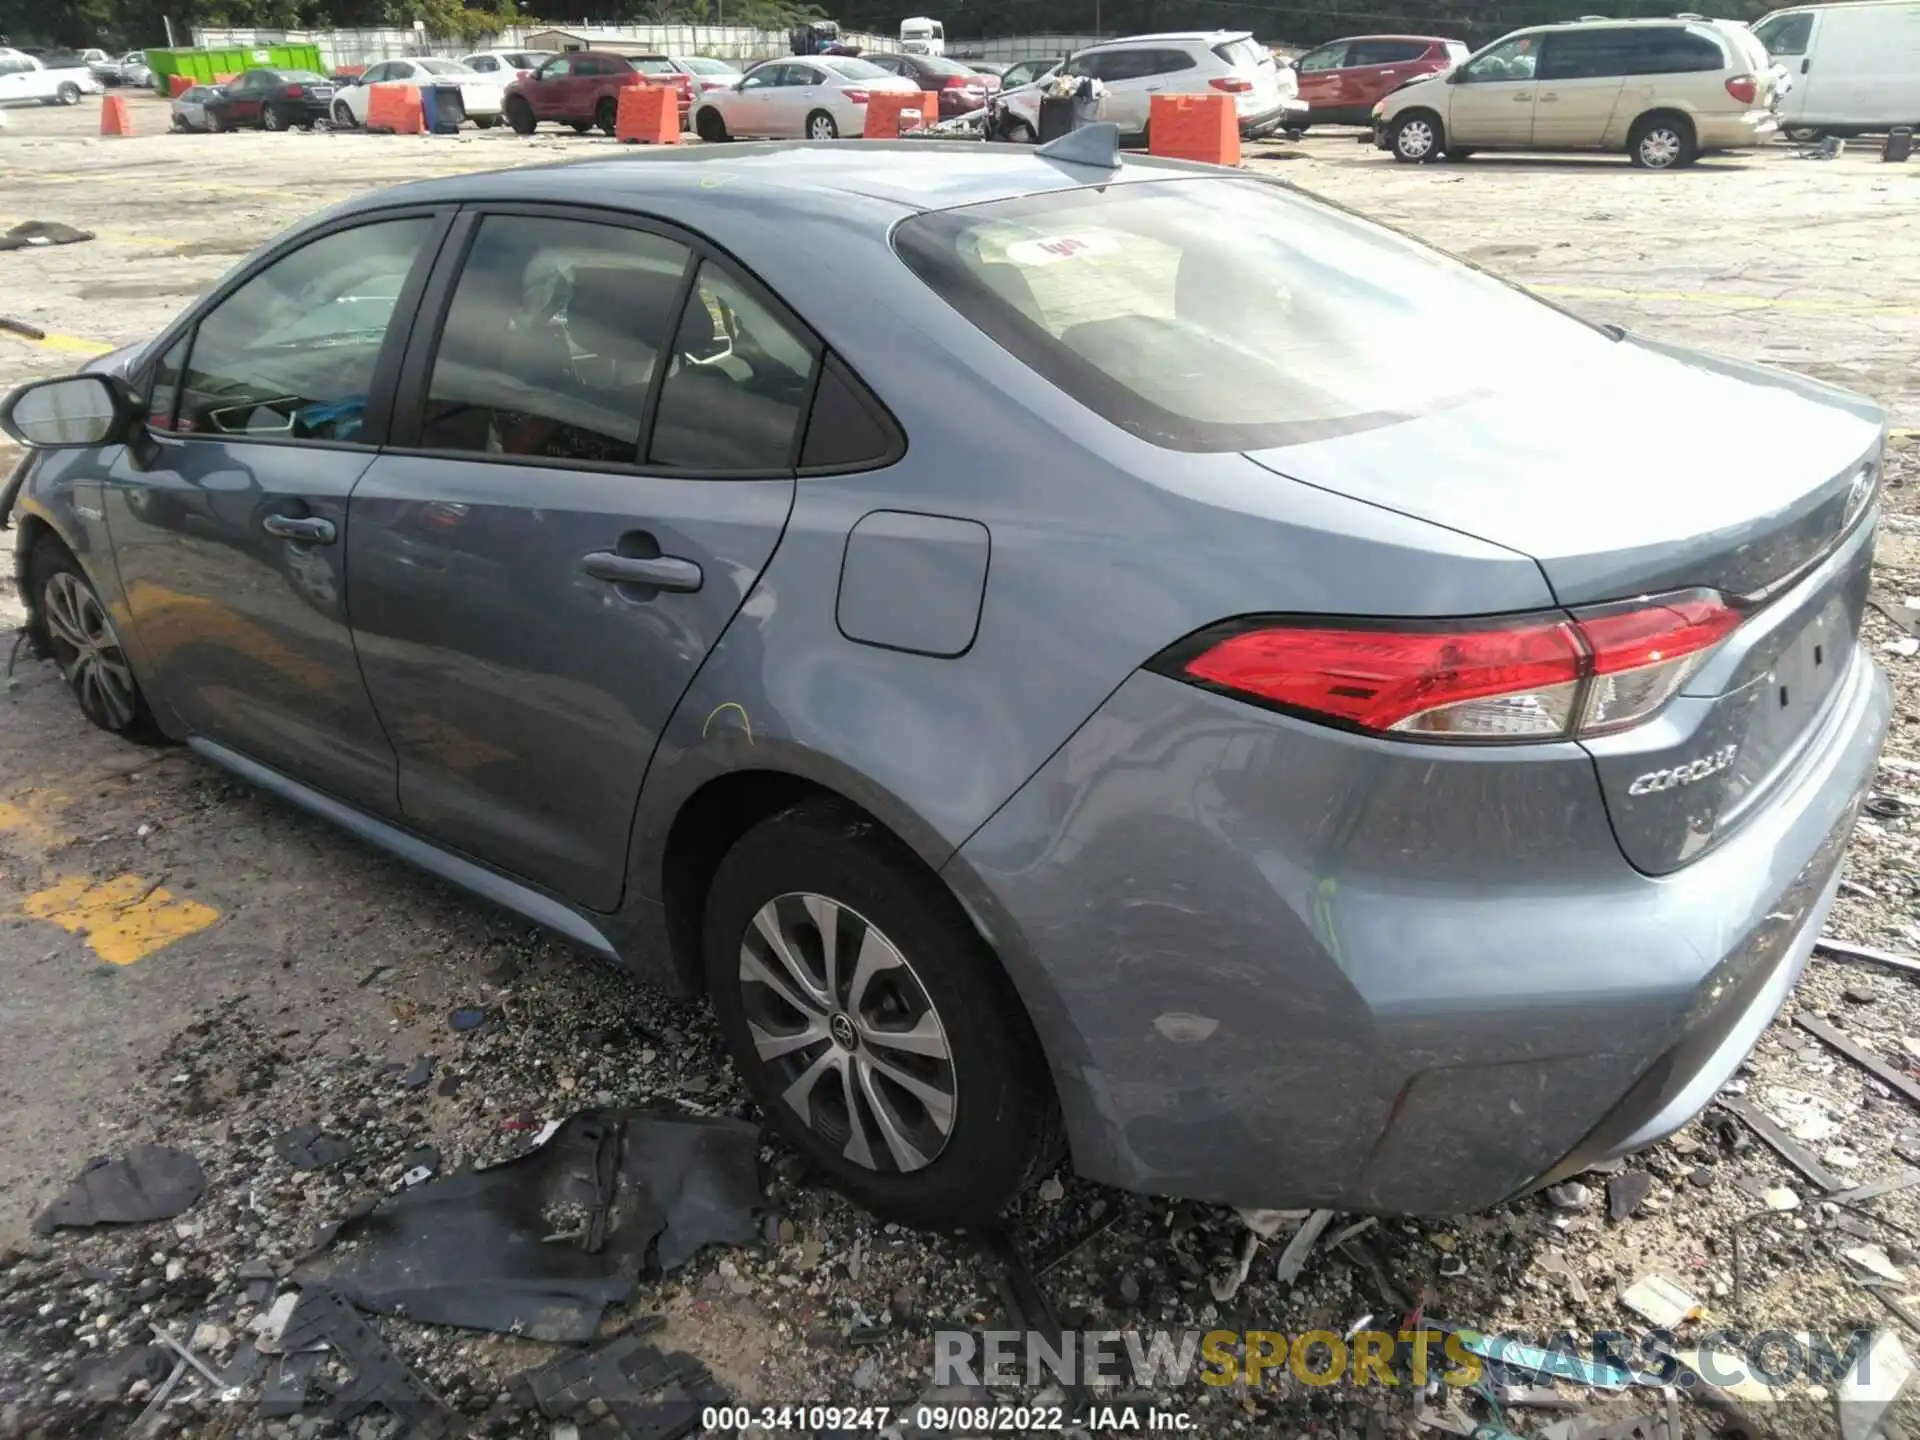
[(582, 89), (961, 88), (1341, 80)]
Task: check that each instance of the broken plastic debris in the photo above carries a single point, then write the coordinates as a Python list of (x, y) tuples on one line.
[(1661, 1300), (308, 1147), (1625, 1193), (1867, 1391), (1571, 1196), (635, 1387), (378, 1377), (1872, 1258), (151, 1182), (1294, 1257), (1781, 1198)]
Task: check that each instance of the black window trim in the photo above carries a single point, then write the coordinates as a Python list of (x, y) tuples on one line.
[(375, 426), (408, 416)]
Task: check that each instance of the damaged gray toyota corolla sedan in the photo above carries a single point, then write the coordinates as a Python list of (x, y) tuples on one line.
[(1125, 653)]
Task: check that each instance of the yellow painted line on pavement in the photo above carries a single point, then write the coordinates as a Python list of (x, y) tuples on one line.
[(1709, 297), (123, 919), (67, 344)]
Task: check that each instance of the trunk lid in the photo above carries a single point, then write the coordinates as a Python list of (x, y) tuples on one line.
[(1662, 471)]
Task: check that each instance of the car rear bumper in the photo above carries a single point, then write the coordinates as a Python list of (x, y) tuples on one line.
[(1276, 965), (1732, 132), (1265, 122)]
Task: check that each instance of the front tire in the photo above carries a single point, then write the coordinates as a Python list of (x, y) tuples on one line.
[(607, 116), (1416, 138), (821, 126), (342, 116), (1661, 142), (520, 116), (872, 1023), (78, 634), (710, 127)]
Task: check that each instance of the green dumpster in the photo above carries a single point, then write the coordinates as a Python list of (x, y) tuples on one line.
[(204, 67)]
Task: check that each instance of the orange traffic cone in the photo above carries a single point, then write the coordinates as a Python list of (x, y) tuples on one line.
[(114, 119)]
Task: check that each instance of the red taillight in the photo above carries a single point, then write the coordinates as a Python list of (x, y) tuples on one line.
[(856, 97), (1742, 88), (1538, 677), (294, 92), (962, 82), (1232, 84)]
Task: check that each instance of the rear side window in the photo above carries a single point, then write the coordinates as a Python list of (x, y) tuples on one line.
[(1589, 54), (1386, 52), (552, 339), (1219, 315), (1672, 52), (737, 383), (290, 355)]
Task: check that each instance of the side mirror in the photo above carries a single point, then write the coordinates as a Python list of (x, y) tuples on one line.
[(74, 412)]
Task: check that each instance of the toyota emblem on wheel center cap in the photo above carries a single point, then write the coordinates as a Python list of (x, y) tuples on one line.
[(841, 1028)]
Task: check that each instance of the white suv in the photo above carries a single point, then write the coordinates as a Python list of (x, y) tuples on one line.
[(1134, 70), (1661, 90)]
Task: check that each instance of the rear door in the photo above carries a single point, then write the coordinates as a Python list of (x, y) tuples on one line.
[(1581, 72), (1493, 103), (231, 537), (1376, 68), (593, 461)]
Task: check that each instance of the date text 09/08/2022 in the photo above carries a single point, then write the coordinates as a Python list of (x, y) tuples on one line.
[(944, 1419)]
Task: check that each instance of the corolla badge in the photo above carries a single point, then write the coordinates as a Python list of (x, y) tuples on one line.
[(1859, 493), (1654, 781)]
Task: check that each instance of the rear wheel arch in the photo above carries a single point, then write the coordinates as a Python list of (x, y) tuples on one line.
[(1683, 126)]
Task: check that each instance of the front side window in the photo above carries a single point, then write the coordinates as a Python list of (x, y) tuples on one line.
[(1327, 57), (1785, 34), (291, 353), (1215, 315), (1510, 60), (736, 384), (551, 341)]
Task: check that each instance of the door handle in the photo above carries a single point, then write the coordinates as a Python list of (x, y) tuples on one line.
[(655, 572), (1549, 99), (1806, 65), (1522, 98), (310, 528)]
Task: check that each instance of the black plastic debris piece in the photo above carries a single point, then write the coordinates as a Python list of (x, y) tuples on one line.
[(376, 1376), (479, 1250), (420, 1076), (308, 1147), (631, 1390), (1021, 1294), (150, 1182), (284, 1389), (704, 1174), (1626, 1192), (103, 1379), (41, 232), (324, 1235)]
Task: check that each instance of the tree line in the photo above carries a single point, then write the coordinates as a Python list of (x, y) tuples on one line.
[(132, 23)]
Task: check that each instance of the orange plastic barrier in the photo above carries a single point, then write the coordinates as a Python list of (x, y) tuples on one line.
[(885, 107), (225, 79), (395, 108), (648, 115), (178, 85), (1195, 127), (114, 119)]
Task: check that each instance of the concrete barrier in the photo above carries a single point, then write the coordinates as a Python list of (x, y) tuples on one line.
[(1194, 127)]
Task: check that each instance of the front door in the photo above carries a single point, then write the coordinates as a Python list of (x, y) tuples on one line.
[(1581, 72), (1492, 103), (546, 92), (749, 110), (231, 540), (1789, 41), (795, 95), (1319, 75), (564, 530)]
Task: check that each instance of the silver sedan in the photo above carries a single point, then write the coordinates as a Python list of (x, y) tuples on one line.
[(820, 97)]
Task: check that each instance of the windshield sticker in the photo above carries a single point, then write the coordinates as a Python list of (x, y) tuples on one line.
[(1052, 249)]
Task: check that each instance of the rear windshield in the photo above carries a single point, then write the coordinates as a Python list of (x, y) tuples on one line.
[(701, 65), (1234, 315), (301, 77), (853, 69), (1242, 54), (445, 67), (934, 65), (652, 64)]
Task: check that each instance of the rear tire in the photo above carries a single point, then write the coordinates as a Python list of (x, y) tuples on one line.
[(821, 126), (272, 119), (520, 116), (941, 1131), (219, 124), (71, 625), (486, 122), (607, 116), (1661, 142), (1417, 138), (1018, 132), (68, 93), (710, 127)]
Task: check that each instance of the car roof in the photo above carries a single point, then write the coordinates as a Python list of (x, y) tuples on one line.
[(1191, 37), (1643, 23), (1423, 39)]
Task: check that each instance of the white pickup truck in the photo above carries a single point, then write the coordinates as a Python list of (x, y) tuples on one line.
[(24, 78)]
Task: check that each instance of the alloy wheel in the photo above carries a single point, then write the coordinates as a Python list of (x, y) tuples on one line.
[(270, 119), (837, 1013), (821, 127), (1660, 148), (88, 652)]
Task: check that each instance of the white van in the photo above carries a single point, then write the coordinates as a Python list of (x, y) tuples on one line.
[(921, 36), (1855, 66)]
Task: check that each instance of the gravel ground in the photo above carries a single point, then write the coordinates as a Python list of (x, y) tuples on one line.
[(331, 972)]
